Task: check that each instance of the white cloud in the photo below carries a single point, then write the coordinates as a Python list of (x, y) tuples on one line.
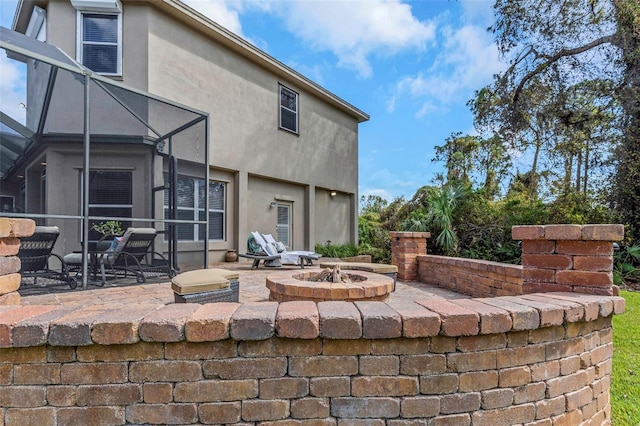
[(354, 30), (12, 88), (468, 61), (223, 12)]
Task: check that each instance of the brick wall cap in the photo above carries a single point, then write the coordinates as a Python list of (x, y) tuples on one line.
[(168, 323), (399, 234)]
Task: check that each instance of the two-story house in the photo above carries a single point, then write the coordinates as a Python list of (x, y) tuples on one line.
[(283, 151)]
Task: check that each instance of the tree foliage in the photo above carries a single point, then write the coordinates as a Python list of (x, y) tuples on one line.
[(570, 94)]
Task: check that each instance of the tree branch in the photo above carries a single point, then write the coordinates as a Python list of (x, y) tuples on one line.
[(561, 54)]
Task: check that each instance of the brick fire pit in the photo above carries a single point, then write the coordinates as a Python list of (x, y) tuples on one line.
[(287, 286)]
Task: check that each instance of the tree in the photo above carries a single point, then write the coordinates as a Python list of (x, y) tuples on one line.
[(474, 160), (558, 44)]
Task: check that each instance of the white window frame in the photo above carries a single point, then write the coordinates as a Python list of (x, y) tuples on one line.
[(196, 209), (80, 38), (281, 107), (286, 227)]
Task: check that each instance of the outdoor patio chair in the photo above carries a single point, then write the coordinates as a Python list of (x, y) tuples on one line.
[(257, 252), (134, 256), (39, 263), (294, 257)]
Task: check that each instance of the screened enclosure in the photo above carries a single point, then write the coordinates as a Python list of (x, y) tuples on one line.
[(78, 149)]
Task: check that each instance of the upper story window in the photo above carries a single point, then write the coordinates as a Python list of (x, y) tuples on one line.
[(99, 35), (288, 109)]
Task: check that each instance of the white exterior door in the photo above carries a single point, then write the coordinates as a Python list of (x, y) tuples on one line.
[(283, 225)]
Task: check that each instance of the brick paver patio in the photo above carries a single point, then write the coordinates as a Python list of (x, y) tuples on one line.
[(252, 289)]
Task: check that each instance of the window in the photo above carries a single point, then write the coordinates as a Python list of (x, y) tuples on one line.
[(191, 206), (110, 194), (100, 42), (283, 226), (288, 109)]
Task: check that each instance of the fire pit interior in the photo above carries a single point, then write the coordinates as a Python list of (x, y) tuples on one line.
[(327, 285)]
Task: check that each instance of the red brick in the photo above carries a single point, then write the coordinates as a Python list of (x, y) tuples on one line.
[(165, 371), (284, 388), (515, 376), (523, 317), (417, 321), (339, 320), (41, 416), (562, 232), (505, 416), (298, 320), (538, 247), (585, 248), (157, 393), (246, 368), (93, 373), (439, 384), (419, 407), (537, 275), (379, 365), (22, 396), (593, 263), (215, 390), (257, 410), (571, 311), (210, 322), (330, 386), (9, 319), (546, 261), (455, 320), (422, 364), (532, 287), (550, 314), (527, 232), (167, 323), (513, 357), (310, 408), (220, 412), (323, 366), (367, 408), (497, 398), (565, 384), (384, 386), (585, 279), (120, 326), (125, 394), (459, 403), (478, 381), (492, 319), (603, 232), (162, 413), (379, 321), (9, 246), (36, 374), (9, 283)]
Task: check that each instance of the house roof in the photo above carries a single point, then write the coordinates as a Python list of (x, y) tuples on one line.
[(198, 21)]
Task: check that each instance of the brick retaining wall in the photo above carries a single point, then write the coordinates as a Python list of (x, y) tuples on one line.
[(507, 360), (533, 359)]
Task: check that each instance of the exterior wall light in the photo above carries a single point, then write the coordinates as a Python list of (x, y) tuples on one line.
[(333, 193), (273, 204)]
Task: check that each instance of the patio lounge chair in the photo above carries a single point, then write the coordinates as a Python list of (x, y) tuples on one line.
[(257, 252), (134, 255), (35, 254), (295, 257)]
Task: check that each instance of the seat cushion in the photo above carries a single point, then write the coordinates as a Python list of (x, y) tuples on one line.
[(201, 280), (73, 259)]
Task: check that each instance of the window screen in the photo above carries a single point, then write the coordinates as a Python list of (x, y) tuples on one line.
[(191, 206), (288, 109), (110, 195), (100, 43)]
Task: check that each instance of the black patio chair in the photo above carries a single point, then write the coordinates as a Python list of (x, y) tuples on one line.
[(134, 255), (35, 254)]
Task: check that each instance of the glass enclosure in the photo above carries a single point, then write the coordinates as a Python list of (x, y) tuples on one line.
[(78, 149)]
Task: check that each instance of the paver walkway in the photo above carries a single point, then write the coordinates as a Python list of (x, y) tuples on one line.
[(252, 289)]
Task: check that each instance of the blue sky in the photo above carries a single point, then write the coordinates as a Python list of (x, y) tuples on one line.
[(410, 65)]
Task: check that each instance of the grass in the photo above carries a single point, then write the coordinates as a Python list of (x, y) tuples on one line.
[(625, 378)]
